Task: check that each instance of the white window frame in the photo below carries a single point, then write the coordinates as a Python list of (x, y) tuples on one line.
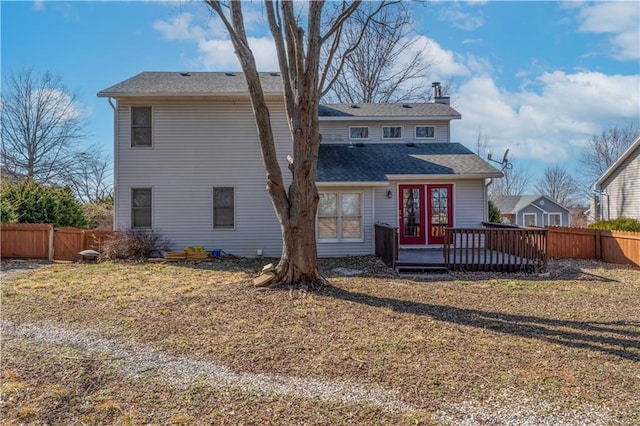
[(391, 127), (358, 127), (339, 238), (559, 220), (150, 207), (415, 132), (131, 108), (213, 208), (524, 219)]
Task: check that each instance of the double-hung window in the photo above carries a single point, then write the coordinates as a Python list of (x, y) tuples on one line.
[(555, 219), (425, 132), (223, 208), (529, 219), (357, 133), (141, 200), (389, 132), (340, 217), (141, 127)]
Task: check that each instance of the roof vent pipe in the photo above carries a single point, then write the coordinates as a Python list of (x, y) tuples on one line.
[(437, 89)]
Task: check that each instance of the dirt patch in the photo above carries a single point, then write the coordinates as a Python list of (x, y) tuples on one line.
[(12, 268)]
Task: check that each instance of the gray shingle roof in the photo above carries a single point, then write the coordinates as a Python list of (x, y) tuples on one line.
[(515, 203), (431, 109), (374, 161), (196, 83), (220, 83)]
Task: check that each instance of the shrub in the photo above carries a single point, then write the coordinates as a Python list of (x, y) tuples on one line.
[(619, 224), (134, 245), (36, 203), (99, 214), (7, 211), (494, 213)]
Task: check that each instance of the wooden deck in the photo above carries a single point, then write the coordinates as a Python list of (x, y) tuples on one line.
[(433, 259)]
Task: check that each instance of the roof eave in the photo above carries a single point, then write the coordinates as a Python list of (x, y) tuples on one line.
[(116, 95), (351, 183), (457, 176), (616, 164), (389, 118)]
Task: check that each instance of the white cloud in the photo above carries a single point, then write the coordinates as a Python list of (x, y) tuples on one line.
[(460, 19), (550, 123), (38, 5), (178, 29), (444, 64), (619, 19), (219, 55)]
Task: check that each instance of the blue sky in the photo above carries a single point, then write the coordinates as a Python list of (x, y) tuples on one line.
[(536, 77)]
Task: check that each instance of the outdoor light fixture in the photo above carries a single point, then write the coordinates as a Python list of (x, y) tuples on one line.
[(389, 194)]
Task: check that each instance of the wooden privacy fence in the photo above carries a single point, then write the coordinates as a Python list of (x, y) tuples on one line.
[(386, 237), (610, 246), (26, 240), (42, 241), (495, 249)]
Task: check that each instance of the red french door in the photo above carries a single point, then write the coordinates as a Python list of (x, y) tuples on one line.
[(440, 211), (412, 214)]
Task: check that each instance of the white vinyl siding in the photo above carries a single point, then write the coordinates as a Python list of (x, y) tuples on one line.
[(338, 131), (621, 190), (198, 145)]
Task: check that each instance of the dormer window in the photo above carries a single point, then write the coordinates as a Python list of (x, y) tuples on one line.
[(358, 133), (425, 132), (391, 132)]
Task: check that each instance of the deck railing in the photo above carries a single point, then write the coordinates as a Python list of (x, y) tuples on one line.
[(496, 249), (387, 243)]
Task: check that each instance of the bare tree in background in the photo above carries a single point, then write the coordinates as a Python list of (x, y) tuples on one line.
[(40, 127), (516, 181), (299, 38), (374, 62), (90, 178), (604, 148), (558, 184)]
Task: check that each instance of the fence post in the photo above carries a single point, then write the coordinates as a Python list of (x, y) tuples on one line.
[(598, 237), (51, 236)]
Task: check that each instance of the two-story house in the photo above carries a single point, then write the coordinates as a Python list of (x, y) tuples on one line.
[(187, 164)]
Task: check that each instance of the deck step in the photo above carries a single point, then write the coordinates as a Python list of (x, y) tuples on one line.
[(420, 267)]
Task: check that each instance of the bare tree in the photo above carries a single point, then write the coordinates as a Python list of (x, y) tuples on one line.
[(516, 181), (558, 184), (604, 148), (40, 126), (299, 51), (375, 62), (90, 177)]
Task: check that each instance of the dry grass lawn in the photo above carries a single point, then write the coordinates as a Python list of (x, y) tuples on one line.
[(466, 347)]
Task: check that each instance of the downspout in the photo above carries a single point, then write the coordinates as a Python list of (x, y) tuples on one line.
[(115, 162), (487, 183)]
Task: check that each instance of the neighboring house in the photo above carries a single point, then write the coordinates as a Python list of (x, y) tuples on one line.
[(532, 210), (619, 187), (188, 165)]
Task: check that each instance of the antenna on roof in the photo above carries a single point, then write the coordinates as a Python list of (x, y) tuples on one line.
[(505, 160)]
